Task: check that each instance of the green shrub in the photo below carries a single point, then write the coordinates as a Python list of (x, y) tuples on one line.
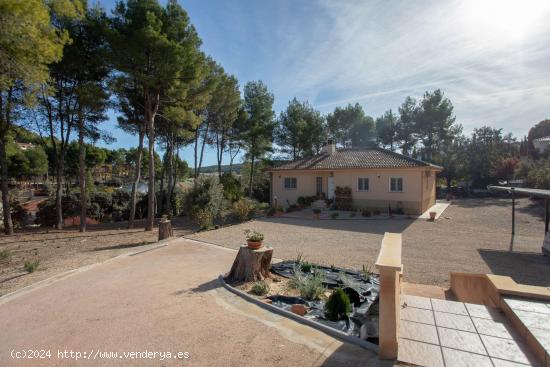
[(31, 266), (270, 212), (311, 286), (317, 211), (260, 288), (5, 254), (19, 215), (352, 214), (253, 236), (46, 214), (338, 305), (366, 213), (305, 267), (242, 209), (177, 201), (232, 187), (203, 218), (334, 215), (206, 194), (398, 211), (376, 212)]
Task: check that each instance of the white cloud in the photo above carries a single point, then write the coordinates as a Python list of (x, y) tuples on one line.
[(495, 71)]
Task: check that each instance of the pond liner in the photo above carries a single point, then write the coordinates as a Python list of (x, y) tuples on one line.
[(302, 320)]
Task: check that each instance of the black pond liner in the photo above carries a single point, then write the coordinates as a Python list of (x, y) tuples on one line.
[(363, 294)]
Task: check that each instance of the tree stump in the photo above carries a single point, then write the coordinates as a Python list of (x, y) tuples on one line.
[(251, 265), (165, 229)]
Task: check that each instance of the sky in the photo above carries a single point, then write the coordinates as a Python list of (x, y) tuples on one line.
[(491, 58)]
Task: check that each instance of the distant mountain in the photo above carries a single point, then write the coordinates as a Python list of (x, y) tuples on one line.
[(225, 168)]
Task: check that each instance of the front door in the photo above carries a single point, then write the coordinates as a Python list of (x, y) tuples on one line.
[(330, 187), (319, 185)]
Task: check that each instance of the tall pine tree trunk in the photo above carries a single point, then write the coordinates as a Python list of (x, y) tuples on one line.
[(59, 195), (150, 112), (170, 174), (8, 224), (82, 175), (251, 177), (137, 178)]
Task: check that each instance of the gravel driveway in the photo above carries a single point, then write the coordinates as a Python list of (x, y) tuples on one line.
[(472, 235)]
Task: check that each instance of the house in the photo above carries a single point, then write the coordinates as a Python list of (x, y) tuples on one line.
[(377, 177), (541, 144)]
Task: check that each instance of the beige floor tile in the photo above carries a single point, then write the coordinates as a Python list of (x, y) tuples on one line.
[(484, 312), (419, 332), (417, 315), (534, 319), (415, 301), (493, 328), (542, 336), (502, 363), (421, 354), (527, 305), (462, 340), (454, 321), (506, 349), (449, 306), (457, 358)]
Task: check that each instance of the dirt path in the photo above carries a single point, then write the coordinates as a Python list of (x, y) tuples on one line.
[(60, 251), (164, 300)]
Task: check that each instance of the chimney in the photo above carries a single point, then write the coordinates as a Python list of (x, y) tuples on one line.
[(329, 148)]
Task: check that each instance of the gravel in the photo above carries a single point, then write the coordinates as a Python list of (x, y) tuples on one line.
[(472, 235)]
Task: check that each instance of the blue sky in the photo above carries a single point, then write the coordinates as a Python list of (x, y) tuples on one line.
[(490, 57)]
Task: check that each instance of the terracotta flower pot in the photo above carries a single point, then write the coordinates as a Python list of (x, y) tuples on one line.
[(254, 245), (432, 215)]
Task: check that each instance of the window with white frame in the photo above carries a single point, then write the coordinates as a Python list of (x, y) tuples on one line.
[(291, 183), (396, 184), (362, 184)]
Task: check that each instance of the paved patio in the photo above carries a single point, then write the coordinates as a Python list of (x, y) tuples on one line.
[(166, 299), (436, 332)]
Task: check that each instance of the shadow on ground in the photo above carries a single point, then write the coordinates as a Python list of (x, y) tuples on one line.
[(204, 287), (535, 267), (373, 226)]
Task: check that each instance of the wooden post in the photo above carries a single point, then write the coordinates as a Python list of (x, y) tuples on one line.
[(165, 229), (513, 211), (251, 265), (546, 216)]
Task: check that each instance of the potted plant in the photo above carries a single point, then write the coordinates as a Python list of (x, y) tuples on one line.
[(432, 216), (317, 213), (254, 239)]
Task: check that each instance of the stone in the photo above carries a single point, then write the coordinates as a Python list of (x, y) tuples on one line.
[(299, 309)]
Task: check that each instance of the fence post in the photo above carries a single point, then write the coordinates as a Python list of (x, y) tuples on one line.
[(390, 269)]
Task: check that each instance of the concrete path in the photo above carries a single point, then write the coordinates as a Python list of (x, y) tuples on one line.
[(438, 208), (134, 309)]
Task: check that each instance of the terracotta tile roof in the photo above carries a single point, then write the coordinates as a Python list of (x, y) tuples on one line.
[(355, 158)]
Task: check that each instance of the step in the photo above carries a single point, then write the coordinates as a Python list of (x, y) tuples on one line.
[(436, 332), (531, 318)]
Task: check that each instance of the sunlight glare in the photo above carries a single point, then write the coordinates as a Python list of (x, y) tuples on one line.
[(513, 19)]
